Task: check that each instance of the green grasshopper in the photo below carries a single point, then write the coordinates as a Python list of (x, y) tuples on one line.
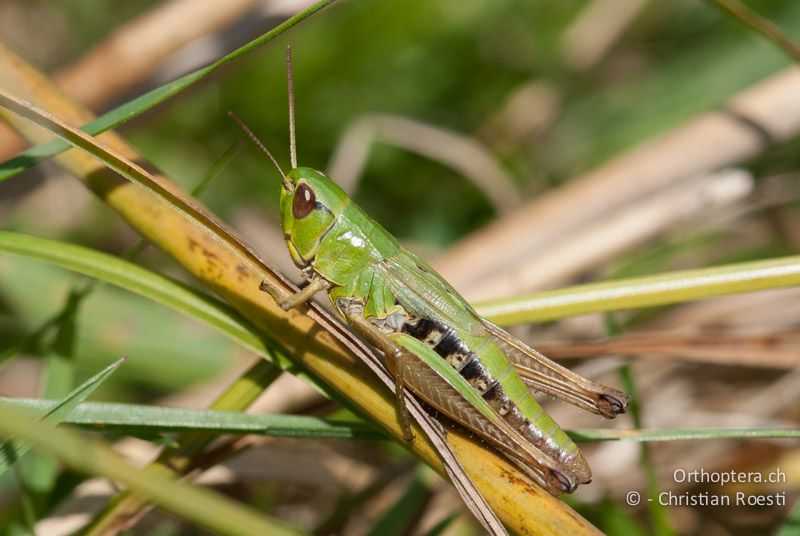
[(433, 341)]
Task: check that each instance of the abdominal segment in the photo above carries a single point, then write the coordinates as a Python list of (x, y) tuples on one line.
[(446, 343)]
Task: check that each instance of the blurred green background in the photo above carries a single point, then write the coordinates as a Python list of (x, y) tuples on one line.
[(452, 64)]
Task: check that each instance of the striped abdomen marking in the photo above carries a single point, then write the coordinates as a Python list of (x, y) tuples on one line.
[(445, 342)]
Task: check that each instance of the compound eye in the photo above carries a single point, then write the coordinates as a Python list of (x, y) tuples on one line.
[(304, 201)]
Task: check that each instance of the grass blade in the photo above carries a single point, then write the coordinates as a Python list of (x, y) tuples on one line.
[(136, 279), (216, 168), (672, 287), (135, 107), (127, 507), (135, 418), (11, 452), (201, 506), (753, 21), (659, 518)]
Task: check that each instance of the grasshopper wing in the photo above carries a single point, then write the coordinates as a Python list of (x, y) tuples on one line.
[(546, 376), (425, 293)]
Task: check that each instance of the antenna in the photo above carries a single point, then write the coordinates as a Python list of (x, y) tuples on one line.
[(290, 84), (286, 182)]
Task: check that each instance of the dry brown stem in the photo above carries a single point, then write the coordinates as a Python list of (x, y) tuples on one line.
[(464, 154), (713, 140), (776, 350)]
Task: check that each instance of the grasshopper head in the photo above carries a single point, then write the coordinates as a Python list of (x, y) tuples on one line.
[(310, 203)]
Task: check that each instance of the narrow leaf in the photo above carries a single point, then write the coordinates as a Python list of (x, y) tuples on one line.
[(10, 452), (131, 109), (663, 289), (216, 168), (136, 279), (201, 506), (154, 419), (127, 507), (131, 418)]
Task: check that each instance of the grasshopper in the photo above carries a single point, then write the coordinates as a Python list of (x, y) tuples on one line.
[(433, 342)]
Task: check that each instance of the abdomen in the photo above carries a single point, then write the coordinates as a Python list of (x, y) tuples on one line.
[(481, 363)]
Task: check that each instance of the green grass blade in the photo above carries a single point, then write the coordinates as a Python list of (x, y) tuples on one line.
[(40, 474), (201, 506), (659, 518), (135, 107), (176, 461), (10, 452), (59, 411), (216, 168), (136, 279), (79, 293), (132, 417), (753, 21), (59, 352), (144, 419), (664, 289), (185, 208)]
